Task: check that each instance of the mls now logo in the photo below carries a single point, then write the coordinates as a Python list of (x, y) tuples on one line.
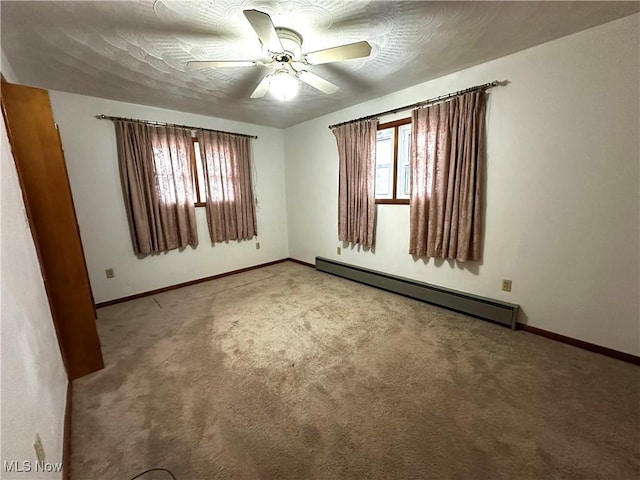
[(15, 466)]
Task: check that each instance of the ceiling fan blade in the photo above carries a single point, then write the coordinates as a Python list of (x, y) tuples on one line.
[(263, 26), (262, 88), (221, 63), (336, 54), (317, 82)]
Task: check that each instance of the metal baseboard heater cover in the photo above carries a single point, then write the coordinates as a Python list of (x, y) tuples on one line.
[(481, 307)]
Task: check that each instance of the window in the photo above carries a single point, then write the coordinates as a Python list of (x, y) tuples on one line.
[(393, 150), (170, 159), (199, 185), (226, 158)]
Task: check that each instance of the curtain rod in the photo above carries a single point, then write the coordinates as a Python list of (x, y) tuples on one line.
[(441, 98), (163, 124)]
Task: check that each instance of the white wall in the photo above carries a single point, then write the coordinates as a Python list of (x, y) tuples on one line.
[(92, 162), (7, 70), (33, 379), (562, 201)]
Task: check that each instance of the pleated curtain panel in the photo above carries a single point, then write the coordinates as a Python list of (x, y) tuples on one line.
[(356, 190), (157, 184), (447, 164), (231, 212)]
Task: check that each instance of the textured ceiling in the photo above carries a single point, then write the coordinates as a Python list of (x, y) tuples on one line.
[(136, 51)]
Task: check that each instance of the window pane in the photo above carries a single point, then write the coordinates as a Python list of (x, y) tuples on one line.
[(200, 174), (384, 163), (404, 155)]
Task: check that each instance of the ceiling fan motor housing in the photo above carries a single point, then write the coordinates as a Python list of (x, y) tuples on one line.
[(291, 41)]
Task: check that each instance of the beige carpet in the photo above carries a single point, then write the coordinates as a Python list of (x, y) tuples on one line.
[(287, 373)]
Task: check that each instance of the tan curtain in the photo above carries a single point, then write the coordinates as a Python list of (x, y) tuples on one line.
[(226, 160), (447, 161), (356, 195), (157, 183)]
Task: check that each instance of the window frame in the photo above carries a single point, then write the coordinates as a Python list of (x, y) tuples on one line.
[(194, 169), (395, 125)]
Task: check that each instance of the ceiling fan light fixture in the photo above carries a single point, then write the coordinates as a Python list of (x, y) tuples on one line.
[(283, 85)]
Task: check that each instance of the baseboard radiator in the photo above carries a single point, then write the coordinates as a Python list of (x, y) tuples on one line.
[(485, 308)]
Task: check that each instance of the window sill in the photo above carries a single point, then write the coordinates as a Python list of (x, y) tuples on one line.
[(200, 204), (392, 201)]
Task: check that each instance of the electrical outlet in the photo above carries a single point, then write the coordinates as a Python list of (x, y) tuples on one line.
[(257, 245), (506, 285), (338, 250), (109, 273), (37, 445)]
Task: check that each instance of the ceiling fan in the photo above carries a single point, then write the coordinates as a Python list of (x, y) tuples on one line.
[(284, 48)]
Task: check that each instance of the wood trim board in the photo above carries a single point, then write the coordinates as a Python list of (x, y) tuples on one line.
[(592, 347), (300, 262), (185, 284)]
